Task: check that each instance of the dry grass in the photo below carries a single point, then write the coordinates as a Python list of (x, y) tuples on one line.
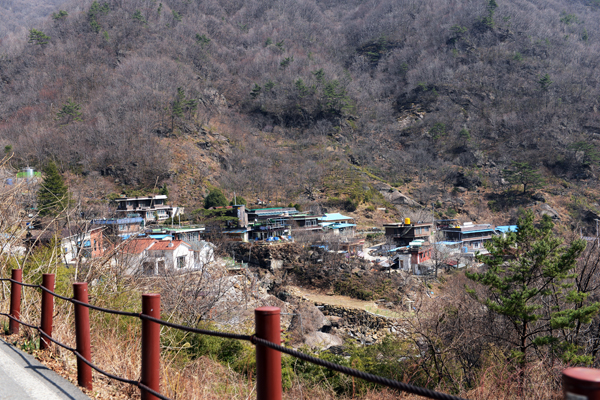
[(116, 349)]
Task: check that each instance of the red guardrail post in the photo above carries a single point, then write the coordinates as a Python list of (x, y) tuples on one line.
[(151, 345), (47, 309), (15, 301), (82, 335), (581, 383), (268, 361)]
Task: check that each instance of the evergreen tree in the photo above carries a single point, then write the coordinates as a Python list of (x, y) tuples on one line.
[(521, 173), (38, 37), (60, 15), (255, 91), (53, 196), (181, 105), (69, 112), (238, 200), (465, 135), (529, 279), (545, 83), (215, 198), (164, 190)]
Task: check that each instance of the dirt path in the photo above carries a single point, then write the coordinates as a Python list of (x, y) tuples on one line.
[(343, 301)]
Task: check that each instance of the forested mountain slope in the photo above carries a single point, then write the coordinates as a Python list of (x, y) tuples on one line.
[(17, 15), (272, 96)]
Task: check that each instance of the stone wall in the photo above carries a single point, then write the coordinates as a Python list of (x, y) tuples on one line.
[(361, 324)]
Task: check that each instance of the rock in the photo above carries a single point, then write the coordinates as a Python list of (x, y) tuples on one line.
[(308, 319), (469, 181), (400, 199), (211, 96), (461, 189), (322, 340), (335, 322), (545, 209), (539, 197)]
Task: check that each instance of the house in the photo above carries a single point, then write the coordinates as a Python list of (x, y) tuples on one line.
[(152, 208), (230, 221), (412, 257), (86, 243), (269, 223), (305, 223), (338, 224), (124, 228), (134, 258), (504, 229), (401, 234), (173, 254), (472, 237), (153, 256)]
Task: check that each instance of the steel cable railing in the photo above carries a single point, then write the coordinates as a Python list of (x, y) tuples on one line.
[(254, 339)]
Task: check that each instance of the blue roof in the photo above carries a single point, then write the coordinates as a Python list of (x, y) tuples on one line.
[(235, 231), (160, 237), (339, 225), (478, 231), (120, 221), (448, 243), (334, 217), (507, 228)]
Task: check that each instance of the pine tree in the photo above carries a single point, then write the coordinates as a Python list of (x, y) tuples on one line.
[(529, 280), (53, 196), (215, 198), (521, 173), (545, 83), (38, 37), (69, 112)]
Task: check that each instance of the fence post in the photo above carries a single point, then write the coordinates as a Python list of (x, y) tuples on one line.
[(15, 301), (268, 361), (581, 383), (82, 335), (150, 345), (47, 309)]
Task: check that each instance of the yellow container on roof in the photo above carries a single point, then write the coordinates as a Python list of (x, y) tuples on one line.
[(406, 221)]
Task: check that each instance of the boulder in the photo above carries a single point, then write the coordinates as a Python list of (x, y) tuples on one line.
[(545, 209), (308, 319), (322, 340), (400, 199), (539, 197)]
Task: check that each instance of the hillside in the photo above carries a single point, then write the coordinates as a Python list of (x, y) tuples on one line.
[(318, 102)]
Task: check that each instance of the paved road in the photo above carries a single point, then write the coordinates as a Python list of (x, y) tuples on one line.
[(23, 377)]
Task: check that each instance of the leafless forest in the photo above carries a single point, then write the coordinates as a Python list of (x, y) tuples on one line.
[(402, 87)]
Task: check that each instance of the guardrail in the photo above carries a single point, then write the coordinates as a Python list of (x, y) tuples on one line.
[(578, 383)]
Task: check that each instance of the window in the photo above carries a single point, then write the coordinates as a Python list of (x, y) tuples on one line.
[(121, 227), (181, 262)]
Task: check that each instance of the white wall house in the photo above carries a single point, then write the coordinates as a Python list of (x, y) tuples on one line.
[(175, 254)]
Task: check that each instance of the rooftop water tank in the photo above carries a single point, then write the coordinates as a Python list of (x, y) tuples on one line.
[(29, 172), (406, 221)]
